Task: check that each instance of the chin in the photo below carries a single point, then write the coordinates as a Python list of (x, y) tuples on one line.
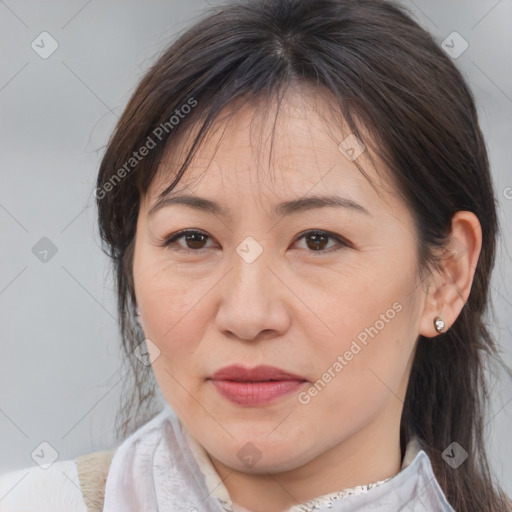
[(257, 455)]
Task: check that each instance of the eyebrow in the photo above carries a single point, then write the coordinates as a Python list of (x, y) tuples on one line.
[(285, 208)]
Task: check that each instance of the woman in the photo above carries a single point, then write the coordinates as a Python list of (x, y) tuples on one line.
[(298, 206)]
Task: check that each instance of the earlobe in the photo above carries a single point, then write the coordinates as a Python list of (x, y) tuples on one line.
[(451, 284)]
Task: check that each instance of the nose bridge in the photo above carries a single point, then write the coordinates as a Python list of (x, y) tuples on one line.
[(250, 266), (250, 303), (250, 250)]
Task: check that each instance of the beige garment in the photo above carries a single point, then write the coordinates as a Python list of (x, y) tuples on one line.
[(92, 469)]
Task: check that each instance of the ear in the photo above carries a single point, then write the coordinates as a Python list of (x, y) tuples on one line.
[(449, 287)]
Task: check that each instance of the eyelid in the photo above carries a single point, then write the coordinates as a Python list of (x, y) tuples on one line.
[(179, 234), (340, 239), (168, 241)]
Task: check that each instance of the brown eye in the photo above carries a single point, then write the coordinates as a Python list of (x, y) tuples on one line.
[(193, 240), (318, 241)]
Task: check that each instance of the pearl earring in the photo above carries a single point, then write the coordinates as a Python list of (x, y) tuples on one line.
[(438, 324)]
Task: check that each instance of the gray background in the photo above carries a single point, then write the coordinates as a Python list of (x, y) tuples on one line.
[(59, 364)]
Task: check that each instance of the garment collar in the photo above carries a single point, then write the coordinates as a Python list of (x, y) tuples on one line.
[(219, 491)]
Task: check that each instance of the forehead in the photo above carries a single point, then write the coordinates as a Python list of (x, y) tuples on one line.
[(273, 150)]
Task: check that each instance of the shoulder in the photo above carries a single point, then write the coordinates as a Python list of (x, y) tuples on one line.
[(75, 485)]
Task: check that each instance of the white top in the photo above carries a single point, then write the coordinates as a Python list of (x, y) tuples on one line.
[(160, 467), (56, 489)]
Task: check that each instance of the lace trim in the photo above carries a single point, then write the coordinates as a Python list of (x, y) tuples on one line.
[(315, 503), (329, 499)]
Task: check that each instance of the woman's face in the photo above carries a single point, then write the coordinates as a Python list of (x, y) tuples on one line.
[(328, 296)]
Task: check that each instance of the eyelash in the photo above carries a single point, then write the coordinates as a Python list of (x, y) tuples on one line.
[(171, 241)]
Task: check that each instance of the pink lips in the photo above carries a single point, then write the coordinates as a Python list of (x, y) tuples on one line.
[(254, 386)]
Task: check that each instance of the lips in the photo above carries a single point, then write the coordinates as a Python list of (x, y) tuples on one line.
[(255, 386), (257, 374)]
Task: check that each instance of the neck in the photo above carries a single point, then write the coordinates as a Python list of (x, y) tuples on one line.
[(370, 455)]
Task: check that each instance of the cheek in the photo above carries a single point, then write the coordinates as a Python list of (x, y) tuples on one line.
[(160, 293), (172, 316), (361, 367), (174, 320), (172, 306)]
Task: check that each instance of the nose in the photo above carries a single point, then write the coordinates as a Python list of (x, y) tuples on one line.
[(253, 301)]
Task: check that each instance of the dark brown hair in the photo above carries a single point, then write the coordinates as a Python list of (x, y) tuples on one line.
[(385, 72)]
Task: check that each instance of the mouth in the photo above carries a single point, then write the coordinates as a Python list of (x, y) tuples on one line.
[(255, 386)]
